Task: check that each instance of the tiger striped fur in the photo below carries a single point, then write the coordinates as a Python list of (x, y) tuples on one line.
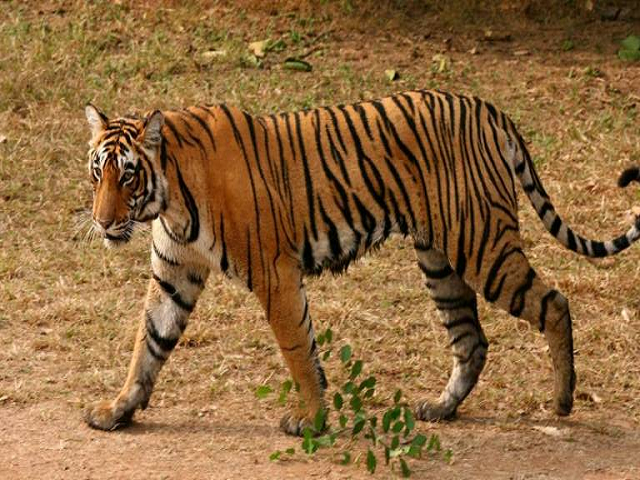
[(270, 199)]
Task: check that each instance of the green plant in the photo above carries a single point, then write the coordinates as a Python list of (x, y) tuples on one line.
[(630, 48), (390, 434)]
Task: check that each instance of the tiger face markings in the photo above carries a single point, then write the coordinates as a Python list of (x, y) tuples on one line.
[(268, 200), (127, 186)]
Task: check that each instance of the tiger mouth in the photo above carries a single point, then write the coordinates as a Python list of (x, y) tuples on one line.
[(120, 237)]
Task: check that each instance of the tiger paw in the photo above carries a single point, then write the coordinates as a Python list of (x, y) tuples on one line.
[(563, 405), (433, 412), (295, 424), (105, 415)]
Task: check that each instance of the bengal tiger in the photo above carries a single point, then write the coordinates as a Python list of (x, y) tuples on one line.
[(269, 199)]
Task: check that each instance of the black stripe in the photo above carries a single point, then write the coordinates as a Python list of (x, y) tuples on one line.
[(162, 256), (506, 252), (190, 203), (462, 336), (308, 180), (204, 126), (174, 295), (546, 207), (544, 306), (599, 249), (154, 352), (334, 237), (555, 226), (518, 299), (195, 279), (224, 261), (437, 273), (308, 262), (466, 320), (621, 242), (571, 240), (166, 344)]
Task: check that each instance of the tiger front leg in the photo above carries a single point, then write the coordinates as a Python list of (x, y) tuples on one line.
[(288, 315), (170, 299)]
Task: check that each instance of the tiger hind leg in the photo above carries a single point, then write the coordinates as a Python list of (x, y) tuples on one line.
[(515, 287), (457, 308)]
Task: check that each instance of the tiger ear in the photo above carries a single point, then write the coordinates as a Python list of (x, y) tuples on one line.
[(98, 121), (151, 136)]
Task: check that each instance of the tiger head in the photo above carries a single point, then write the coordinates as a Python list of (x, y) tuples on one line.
[(128, 184)]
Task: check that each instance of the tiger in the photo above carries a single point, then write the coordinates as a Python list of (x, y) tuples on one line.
[(269, 200)]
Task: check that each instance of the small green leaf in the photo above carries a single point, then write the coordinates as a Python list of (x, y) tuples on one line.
[(275, 455), (406, 473), (328, 335), (448, 455), (357, 427), (309, 446), (434, 443), (338, 401), (568, 45), (369, 383), (419, 440), (371, 461), (290, 451), (326, 355), (409, 421), (629, 55), (632, 42), (349, 387), (356, 403), (397, 396), (386, 421), (320, 420), (387, 455), (397, 427), (356, 369), (285, 388), (343, 421), (395, 442), (325, 441), (345, 353), (292, 63), (414, 451), (346, 458), (320, 339), (263, 391)]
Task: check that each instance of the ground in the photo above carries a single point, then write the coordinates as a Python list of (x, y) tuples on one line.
[(69, 307)]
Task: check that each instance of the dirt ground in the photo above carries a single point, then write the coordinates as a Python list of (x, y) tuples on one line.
[(68, 307)]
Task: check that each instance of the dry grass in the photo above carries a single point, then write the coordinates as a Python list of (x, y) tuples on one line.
[(68, 307)]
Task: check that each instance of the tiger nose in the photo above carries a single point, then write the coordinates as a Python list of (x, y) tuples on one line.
[(104, 223)]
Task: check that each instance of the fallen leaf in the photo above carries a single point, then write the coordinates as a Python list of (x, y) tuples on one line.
[(209, 54), (391, 75), (521, 53), (259, 48), (491, 36), (441, 63), (552, 431), (588, 397)]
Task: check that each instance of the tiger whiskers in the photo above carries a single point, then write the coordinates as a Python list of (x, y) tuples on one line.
[(84, 229)]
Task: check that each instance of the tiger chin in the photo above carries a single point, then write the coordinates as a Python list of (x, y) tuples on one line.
[(268, 200)]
